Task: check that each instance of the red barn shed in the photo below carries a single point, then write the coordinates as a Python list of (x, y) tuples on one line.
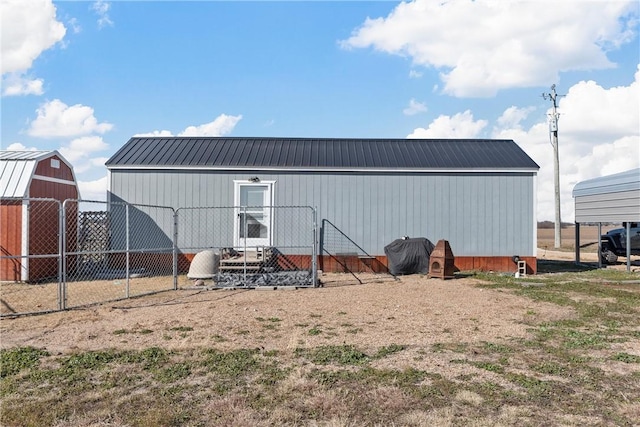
[(29, 228)]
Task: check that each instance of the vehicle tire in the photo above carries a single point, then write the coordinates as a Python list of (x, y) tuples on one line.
[(608, 257)]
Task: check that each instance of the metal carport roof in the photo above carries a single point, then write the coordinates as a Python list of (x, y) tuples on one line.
[(610, 198)]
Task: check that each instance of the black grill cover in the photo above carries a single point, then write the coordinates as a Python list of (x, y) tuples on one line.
[(409, 256)]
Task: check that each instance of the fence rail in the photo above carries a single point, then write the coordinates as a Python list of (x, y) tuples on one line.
[(350, 256), (60, 255)]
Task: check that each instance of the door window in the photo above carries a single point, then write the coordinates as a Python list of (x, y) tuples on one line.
[(254, 217)]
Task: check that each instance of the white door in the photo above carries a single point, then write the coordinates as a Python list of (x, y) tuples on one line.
[(253, 219)]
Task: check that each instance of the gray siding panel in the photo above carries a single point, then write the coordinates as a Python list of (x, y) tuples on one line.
[(481, 214)]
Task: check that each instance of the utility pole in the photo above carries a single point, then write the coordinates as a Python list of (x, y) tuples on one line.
[(553, 133)]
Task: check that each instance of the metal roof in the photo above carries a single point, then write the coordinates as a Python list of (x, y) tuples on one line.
[(320, 154), (623, 181), (17, 169), (26, 155)]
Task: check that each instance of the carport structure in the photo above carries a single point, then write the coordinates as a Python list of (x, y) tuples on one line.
[(610, 198)]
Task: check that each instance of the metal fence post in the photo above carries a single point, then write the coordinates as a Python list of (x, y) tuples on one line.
[(175, 249), (62, 297), (24, 252), (245, 229), (127, 266), (78, 224), (314, 262), (61, 254)]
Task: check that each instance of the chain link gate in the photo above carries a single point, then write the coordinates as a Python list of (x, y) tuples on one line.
[(248, 247), (31, 255), (57, 255), (119, 250)]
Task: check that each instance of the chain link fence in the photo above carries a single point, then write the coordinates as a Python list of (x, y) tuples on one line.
[(30, 262), (248, 247), (57, 255), (119, 251)]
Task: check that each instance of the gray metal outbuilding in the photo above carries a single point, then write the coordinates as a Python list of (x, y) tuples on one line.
[(611, 198), (478, 194)]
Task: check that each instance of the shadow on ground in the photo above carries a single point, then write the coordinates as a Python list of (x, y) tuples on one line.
[(557, 266)]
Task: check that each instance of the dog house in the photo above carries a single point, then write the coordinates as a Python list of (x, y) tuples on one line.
[(30, 184)]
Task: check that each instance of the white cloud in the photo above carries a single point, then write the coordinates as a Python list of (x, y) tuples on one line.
[(75, 25), (595, 113), (483, 46), (17, 146), (79, 151), (221, 125), (415, 74), (414, 108), (28, 29), (94, 190), (57, 119), (512, 117), (14, 84), (593, 141), (461, 125), (79, 128), (155, 133), (599, 134), (101, 8)]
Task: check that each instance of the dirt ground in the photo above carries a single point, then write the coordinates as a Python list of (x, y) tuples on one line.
[(411, 310), (382, 311), (379, 312)]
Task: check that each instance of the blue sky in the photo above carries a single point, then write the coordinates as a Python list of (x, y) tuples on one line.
[(83, 77)]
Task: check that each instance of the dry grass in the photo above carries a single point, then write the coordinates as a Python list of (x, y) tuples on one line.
[(482, 350), (558, 348), (43, 297)]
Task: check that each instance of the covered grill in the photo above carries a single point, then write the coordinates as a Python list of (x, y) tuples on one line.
[(409, 255)]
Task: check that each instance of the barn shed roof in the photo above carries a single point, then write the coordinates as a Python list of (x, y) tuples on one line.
[(17, 168), (321, 154)]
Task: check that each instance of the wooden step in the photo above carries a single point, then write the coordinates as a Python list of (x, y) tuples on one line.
[(248, 263), (230, 268)]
